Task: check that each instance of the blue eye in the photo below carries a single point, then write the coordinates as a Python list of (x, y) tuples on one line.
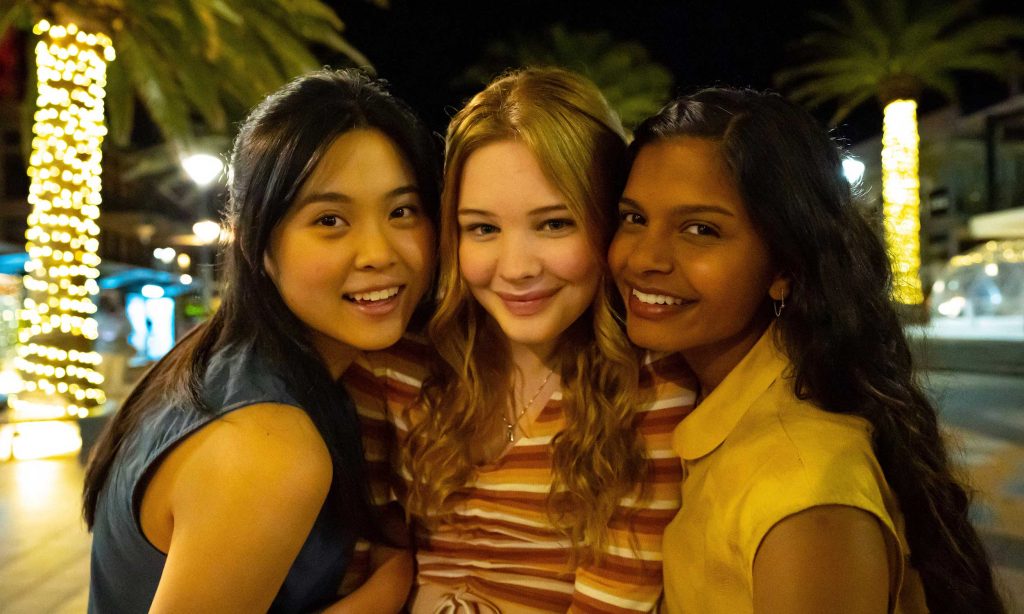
[(558, 224), (481, 229)]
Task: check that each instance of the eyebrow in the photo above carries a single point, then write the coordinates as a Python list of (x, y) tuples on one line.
[(683, 209), (538, 211), (339, 197)]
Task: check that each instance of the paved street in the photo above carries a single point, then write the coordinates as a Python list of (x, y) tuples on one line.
[(985, 416), (44, 548)]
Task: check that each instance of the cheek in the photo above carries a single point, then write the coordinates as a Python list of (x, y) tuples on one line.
[(575, 263), (617, 254), (418, 253), (476, 263)]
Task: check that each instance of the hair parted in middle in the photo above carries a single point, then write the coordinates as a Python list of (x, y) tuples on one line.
[(579, 145)]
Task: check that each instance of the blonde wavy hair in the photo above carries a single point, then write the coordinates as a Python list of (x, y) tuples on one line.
[(579, 144)]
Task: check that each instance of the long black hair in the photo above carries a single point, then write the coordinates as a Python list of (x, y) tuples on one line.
[(840, 328), (277, 147)]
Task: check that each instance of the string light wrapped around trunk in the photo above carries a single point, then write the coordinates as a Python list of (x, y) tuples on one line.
[(901, 198), (55, 357)]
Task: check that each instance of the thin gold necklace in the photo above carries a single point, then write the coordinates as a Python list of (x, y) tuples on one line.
[(510, 426)]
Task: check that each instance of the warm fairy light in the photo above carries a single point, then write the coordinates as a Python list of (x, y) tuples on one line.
[(33, 440), (901, 198), (55, 359)]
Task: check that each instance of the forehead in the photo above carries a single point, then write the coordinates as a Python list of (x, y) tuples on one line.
[(505, 177), (682, 171), (360, 161)]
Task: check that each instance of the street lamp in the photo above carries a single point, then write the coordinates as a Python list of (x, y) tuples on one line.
[(206, 231), (203, 169)]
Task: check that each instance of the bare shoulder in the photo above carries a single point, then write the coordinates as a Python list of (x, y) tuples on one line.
[(240, 497), (277, 444), (827, 558)]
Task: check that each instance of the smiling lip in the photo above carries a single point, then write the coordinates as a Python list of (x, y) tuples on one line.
[(376, 301), (655, 310), (526, 304)]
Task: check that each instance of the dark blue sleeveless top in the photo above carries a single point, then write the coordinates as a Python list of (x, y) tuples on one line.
[(126, 567)]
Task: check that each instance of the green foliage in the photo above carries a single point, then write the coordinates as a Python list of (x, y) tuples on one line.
[(886, 49), (634, 85), (195, 62)]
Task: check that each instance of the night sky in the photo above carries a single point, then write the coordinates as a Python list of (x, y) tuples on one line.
[(423, 46)]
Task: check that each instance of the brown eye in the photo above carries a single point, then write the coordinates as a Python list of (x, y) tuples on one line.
[(703, 230), (404, 212), (631, 218)]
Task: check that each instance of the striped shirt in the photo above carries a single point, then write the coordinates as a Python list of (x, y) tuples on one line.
[(499, 546)]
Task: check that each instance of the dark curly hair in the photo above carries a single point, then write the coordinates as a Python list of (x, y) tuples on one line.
[(841, 329)]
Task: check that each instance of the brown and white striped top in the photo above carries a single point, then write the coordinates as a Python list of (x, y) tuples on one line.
[(499, 547)]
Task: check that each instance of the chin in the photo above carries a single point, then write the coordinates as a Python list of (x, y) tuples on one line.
[(656, 341)]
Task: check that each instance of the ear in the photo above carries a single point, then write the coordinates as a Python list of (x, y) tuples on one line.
[(269, 266), (779, 288)]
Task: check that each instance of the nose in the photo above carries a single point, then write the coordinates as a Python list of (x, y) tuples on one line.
[(651, 254), (518, 258), (374, 249)]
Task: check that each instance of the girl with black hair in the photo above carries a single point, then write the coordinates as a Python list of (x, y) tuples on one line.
[(816, 479), (233, 479)]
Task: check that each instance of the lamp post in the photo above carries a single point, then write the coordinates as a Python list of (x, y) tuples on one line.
[(203, 169)]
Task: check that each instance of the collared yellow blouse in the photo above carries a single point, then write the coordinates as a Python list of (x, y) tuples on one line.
[(754, 454)]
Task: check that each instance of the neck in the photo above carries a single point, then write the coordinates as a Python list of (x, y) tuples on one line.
[(532, 362), (713, 363), (336, 356)]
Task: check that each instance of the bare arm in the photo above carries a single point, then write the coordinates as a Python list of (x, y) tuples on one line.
[(826, 559), (386, 590), (392, 570), (241, 496)]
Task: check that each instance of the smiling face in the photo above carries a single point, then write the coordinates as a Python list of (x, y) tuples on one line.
[(354, 253), (694, 274), (523, 256)]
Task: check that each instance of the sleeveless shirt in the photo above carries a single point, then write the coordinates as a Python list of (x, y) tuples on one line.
[(126, 567)]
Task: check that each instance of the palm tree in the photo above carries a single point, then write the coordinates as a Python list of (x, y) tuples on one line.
[(634, 85), (880, 50), (187, 62)]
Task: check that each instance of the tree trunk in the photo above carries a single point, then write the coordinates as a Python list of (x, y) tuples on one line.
[(901, 198), (55, 356)]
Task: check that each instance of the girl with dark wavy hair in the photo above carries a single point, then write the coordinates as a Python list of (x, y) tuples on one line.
[(816, 478), (232, 479)]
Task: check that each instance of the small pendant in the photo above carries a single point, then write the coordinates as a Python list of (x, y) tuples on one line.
[(510, 432)]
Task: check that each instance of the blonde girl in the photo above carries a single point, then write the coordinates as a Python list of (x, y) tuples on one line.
[(539, 477)]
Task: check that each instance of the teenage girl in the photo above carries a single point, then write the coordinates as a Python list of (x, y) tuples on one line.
[(540, 476), (816, 479), (232, 478)]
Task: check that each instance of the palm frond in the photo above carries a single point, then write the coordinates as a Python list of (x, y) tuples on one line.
[(839, 66), (922, 32), (119, 104), (886, 49), (18, 14), (161, 96)]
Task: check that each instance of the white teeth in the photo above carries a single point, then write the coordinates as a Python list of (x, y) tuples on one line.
[(376, 295), (656, 299)]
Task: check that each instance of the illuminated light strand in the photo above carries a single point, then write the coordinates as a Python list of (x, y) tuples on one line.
[(901, 198), (56, 328)]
